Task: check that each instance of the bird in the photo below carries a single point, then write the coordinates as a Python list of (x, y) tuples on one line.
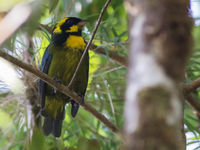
[(59, 61)]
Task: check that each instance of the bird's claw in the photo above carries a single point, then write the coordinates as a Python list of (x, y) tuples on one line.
[(82, 99)]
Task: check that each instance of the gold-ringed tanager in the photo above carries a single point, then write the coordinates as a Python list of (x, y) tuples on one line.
[(59, 61)]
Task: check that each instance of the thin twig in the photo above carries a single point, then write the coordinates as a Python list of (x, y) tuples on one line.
[(60, 87), (90, 41), (49, 29), (109, 98), (113, 55)]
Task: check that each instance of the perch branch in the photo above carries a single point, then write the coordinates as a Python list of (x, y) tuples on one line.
[(62, 88)]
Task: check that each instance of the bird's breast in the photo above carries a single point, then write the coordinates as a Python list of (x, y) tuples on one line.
[(75, 42), (64, 63)]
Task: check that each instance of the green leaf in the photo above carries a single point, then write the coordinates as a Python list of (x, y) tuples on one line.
[(114, 32), (193, 142), (46, 33), (123, 34), (191, 128)]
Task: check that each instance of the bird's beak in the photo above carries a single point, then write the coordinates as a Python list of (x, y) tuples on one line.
[(82, 23)]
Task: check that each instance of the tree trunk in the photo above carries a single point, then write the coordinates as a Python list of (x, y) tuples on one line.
[(160, 43)]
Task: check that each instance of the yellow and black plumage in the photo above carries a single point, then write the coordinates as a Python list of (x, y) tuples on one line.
[(59, 61)]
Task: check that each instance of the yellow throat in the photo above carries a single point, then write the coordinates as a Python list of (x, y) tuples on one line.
[(76, 42)]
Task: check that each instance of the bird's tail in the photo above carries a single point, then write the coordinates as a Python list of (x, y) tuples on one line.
[(52, 126), (47, 126), (57, 128)]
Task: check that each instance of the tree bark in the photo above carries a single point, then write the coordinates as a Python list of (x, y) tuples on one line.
[(160, 36)]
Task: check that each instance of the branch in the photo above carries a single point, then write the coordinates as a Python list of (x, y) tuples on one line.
[(193, 103), (113, 55), (90, 41), (60, 87), (189, 87)]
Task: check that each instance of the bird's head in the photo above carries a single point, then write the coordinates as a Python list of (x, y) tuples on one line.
[(68, 32), (70, 26)]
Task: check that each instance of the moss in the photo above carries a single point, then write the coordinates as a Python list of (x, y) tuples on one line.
[(154, 101)]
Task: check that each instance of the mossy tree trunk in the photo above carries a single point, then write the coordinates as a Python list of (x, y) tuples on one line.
[(160, 43)]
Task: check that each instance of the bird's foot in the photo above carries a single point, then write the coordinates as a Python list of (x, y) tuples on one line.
[(82, 98)]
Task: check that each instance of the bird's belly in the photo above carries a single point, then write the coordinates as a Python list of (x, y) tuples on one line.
[(62, 68), (64, 64)]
